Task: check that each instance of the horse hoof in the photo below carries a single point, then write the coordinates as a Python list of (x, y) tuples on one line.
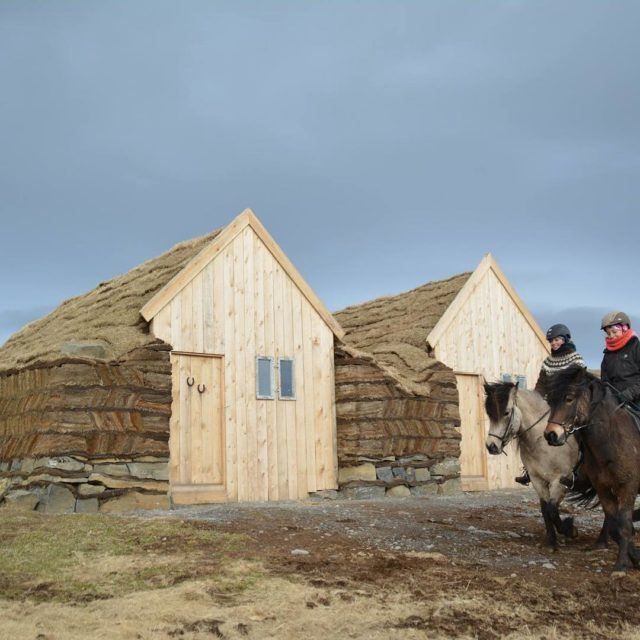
[(573, 533)]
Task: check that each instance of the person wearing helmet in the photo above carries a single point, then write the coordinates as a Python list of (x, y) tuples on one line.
[(563, 355), (621, 362)]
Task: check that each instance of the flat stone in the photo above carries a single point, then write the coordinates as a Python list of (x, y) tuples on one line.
[(28, 465), (410, 473), (64, 463), (153, 470), (384, 473), (398, 492), (325, 494), (91, 489), (450, 467), (87, 349), (418, 457), (47, 477), (135, 500), (129, 483), (449, 487), (5, 485), (399, 472), (57, 499), (21, 499), (363, 493), (117, 469), (365, 471), (89, 505), (299, 552), (4, 466), (425, 489), (423, 474), (15, 465)]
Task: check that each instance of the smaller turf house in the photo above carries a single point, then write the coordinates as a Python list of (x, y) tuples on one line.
[(203, 375), (409, 384)]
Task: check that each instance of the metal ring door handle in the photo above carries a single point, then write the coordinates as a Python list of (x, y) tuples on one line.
[(190, 382), (201, 390)]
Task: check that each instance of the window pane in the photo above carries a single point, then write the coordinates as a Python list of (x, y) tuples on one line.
[(264, 378), (286, 378), (507, 377), (522, 382)]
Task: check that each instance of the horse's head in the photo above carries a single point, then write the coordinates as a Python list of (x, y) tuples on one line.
[(569, 397), (504, 416)]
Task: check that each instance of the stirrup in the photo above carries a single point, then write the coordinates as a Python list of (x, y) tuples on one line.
[(524, 479)]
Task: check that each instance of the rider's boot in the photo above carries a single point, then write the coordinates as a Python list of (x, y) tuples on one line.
[(524, 479)]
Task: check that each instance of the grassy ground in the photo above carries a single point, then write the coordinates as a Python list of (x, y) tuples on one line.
[(105, 577)]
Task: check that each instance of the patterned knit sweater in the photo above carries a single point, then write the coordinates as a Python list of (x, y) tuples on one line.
[(553, 364)]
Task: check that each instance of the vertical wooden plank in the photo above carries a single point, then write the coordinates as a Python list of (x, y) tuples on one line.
[(174, 421), (318, 405), (208, 335), (289, 405), (270, 350), (244, 489), (186, 317), (219, 439), (230, 374), (197, 316), (161, 324), (250, 363), (298, 370), (197, 426), (176, 323), (260, 350), (219, 292), (309, 411), (331, 450), (185, 420), (281, 415)]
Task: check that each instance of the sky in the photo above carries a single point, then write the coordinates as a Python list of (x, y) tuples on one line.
[(382, 144)]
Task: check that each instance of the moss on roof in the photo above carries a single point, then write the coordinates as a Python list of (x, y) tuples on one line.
[(103, 324)]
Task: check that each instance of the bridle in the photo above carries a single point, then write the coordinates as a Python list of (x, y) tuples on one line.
[(573, 428), (508, 434)]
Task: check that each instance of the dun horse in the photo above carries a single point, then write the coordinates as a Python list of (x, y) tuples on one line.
[(520, 415), (583, 405)]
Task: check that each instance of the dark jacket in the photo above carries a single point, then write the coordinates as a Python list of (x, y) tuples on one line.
[(622, 368)]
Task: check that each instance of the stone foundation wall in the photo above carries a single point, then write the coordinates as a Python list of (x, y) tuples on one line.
[(68, 484), (391, 440)]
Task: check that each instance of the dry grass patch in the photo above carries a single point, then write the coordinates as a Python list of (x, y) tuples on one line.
[(81, 558)]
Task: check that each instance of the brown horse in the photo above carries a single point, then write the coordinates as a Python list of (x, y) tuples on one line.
[(583, 405)]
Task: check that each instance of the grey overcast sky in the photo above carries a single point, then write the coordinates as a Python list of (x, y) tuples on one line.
[(383, 144)]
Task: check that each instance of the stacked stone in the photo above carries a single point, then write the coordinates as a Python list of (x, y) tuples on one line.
[(81, 435), (393, 440), (69, 484)]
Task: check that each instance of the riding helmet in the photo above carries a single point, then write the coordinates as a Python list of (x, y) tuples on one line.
[(615, 317), (558, 331)]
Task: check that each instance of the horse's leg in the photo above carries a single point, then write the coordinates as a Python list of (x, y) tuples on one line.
[(542, 489), (620, 529), (564, 526), (602, 541)]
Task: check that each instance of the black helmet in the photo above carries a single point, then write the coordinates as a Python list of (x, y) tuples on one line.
[(558, 331), (615, 317)]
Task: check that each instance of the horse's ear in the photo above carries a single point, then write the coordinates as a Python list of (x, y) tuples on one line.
[(596, 388), (487, 387)]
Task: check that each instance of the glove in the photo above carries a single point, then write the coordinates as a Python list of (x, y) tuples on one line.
[(627, 395)]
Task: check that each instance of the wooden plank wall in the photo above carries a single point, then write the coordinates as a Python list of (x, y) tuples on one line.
[(241, 305), (490, 336)]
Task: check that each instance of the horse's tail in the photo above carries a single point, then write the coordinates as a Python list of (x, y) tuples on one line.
[(584, 495)]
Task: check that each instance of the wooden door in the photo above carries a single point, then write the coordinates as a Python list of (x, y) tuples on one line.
[(473, 454), (197, 429)]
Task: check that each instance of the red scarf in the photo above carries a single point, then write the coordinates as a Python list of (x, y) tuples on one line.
[(615, 344)]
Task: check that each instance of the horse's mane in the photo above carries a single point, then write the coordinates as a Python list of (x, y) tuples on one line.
[(558, 384), (497, 397)]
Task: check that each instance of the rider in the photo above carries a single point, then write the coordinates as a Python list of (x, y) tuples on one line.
[(621, 362), (563, 355)]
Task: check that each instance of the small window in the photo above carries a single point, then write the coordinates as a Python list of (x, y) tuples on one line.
[(264, 378), (507, 377), (522, 382), (285, 366)]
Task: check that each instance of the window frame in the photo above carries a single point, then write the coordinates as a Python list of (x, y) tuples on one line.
[(293, 378), (269, 359)]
